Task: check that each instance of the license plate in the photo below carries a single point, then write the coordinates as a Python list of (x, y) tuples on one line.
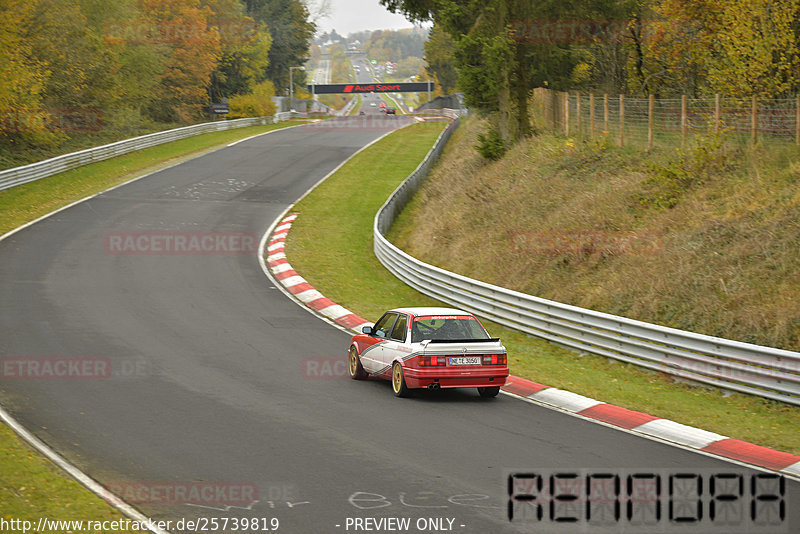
[(464, 360)]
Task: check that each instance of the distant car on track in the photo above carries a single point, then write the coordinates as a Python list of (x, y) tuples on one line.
[(391, 111), (429, 348)]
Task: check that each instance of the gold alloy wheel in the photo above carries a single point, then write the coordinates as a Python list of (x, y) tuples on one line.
[(354, 365), (353, 362), (397, 378), (398, 381)]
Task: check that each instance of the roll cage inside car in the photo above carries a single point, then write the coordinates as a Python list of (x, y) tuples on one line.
[(394, 325)]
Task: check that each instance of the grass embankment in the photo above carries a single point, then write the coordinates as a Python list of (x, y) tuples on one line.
[(27, 202), (30, 485), (327, 248), (702, 239)]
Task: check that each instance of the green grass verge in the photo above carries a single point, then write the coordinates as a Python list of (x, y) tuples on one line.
[(30, 485), (357, 107), (32, 488), (331, 246), (332, 237), (27, 202)]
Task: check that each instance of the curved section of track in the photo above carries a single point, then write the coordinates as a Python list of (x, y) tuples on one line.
[(216, 376)]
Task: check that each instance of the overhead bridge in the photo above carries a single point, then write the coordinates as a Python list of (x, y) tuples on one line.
[(353, 88)]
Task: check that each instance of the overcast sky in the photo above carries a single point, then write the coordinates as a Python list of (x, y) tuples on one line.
[(349, 16)]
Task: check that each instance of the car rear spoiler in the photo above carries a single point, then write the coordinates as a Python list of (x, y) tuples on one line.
[(485, 340)]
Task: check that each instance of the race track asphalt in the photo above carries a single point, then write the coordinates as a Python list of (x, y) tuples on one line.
[(213, 369)]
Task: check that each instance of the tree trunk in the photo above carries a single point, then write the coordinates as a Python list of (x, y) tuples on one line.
[(521, 80)]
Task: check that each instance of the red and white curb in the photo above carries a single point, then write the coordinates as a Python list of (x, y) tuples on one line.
[(663, 429), (635, 422), (299, 287)]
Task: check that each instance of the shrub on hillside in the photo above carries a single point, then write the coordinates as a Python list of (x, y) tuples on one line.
[(491, 145), (258, 103)]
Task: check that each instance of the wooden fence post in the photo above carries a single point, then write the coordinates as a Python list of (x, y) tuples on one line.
[(651, 105), (683, 120), (621, 120), (578, 111), (605, 113), (797, 121), (754, 120), (591, 116), (566, 113), (716, 113)]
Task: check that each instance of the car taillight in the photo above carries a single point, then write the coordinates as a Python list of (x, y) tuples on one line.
[(432, 361), (494, 359)]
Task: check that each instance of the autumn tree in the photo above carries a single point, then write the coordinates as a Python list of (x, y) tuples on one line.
[(257, 103), (394, 45), (493, 67), (245, 50), (84, 77), (734, 47), (192, 48), (291, 30), (608, 54), (440, 58), (21, 78)]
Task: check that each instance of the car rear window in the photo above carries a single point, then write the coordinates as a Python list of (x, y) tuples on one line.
[(446, 328)]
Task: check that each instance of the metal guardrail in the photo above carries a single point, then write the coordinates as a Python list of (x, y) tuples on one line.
[(35, 171), (449, 113), (732, 365)]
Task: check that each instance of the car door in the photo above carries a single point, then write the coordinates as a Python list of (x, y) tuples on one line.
[(371, 357), (395, 345)]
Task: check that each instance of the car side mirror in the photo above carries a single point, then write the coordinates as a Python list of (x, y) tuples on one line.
[(366, 330)]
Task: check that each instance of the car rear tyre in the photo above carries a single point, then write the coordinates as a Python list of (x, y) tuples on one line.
[(354, 365), (399, 381), (489, 392)]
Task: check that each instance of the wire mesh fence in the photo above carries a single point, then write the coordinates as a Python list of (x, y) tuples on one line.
[(646, 122)]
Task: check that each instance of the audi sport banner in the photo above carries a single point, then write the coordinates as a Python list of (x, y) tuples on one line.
[(336, 88)]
